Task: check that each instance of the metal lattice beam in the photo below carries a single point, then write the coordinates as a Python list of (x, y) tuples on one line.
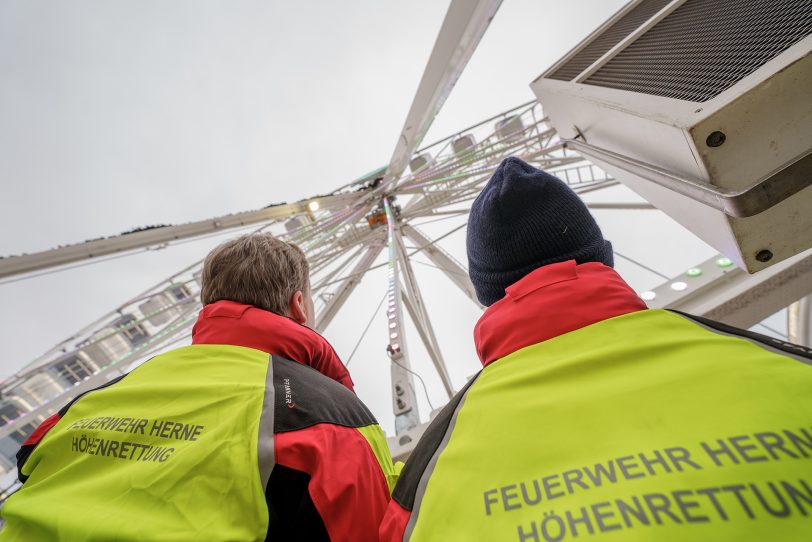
[(465, 23), (404, 401), (444, 261), (28, 263), (348, 285), (420, 315)]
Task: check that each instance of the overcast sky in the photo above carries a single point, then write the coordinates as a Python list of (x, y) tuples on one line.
[(119, 114)]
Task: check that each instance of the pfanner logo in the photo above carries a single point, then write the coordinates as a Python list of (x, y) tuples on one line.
[(288, 393)]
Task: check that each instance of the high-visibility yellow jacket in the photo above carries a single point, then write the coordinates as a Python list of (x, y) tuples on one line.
[(594, 419), (222, 440)]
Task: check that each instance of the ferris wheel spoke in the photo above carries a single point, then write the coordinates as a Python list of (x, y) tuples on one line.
[(404, 398), (444, 261), (341, 235), (465, 23), (338, 247), (155, 236), (317, 285), (595, 186), (416, 307), (349, 284)]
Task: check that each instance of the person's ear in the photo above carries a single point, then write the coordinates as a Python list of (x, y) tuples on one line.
[(296, 307)]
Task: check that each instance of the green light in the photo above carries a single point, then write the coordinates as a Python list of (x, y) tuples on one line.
[(724, 262), (694, 272)]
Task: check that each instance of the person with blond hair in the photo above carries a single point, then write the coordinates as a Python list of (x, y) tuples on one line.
[(251, 433)]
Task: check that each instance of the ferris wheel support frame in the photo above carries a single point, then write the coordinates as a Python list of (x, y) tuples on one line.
[(419, 314), (342, 242), (463, 27), (157, 236), (452, 269), (404, 397), (349, 284)]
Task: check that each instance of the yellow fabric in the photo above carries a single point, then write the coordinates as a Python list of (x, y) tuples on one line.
[(377, 441), (81, 489), (554, 433)]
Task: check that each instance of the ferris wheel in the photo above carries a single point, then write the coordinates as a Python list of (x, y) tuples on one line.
[(375, 222)]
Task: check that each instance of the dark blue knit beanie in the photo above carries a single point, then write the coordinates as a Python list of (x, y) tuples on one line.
[(524, 219)]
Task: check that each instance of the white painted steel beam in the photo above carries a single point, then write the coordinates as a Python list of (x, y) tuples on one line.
[(465, 23), (416, 306), (404, 400), (28, 263), (346, 288), (447, 264), (316, 287)]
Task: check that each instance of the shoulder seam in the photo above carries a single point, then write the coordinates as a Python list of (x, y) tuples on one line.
[(25, 451), (318, 399), (116, 380), (795, 351)]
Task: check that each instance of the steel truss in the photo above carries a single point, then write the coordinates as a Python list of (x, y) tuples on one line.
[(343, 234)]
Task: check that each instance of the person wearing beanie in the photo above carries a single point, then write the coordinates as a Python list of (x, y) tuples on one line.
[(595, 416)]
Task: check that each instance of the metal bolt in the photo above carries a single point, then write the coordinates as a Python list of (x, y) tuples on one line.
[(715, 139), (764, 255)]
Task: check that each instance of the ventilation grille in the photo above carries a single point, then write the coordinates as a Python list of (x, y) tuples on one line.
[(705, 46), (608, 39)]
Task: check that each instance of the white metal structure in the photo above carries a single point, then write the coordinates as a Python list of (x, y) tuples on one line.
[(373, 222), (343, 233), (703, 109)]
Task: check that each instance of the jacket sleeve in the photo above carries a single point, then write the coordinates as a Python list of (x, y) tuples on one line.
[(394, 522), (31, 442), (405, 494), (351, 475)]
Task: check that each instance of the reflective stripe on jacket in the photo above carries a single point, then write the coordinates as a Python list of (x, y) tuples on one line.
[(211, 442), (595, 419)]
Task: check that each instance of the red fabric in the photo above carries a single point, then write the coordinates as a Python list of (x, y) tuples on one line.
[(394, 523), (551, 301), (228, 322), (34, 438), (347, 485)]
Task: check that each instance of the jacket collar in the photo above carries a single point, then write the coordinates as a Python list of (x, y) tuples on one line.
[(228, 322), (551, 301)]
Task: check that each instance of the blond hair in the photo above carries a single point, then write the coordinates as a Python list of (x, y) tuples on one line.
[(256, 269)]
